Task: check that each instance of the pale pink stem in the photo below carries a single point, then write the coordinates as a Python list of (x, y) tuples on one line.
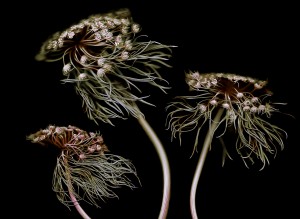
[(201, 161), (165, 166), (77, 206)]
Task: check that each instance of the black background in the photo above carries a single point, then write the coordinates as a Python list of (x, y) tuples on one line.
[(249, 39)]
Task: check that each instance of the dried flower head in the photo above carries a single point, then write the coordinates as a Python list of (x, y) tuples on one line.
[(85, 170), (244, 101), (105, 57)]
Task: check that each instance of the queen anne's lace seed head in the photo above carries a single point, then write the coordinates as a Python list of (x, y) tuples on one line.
[(84, 165), (124, 55), (261, 108), (110, 41), (246, 106), (101, 62), (83, 59), (82, 76), (239, 95), (254, 99), (253, 109), (202, 108), (225, 105), (135, 28), (71, 34), (67, 69), (213, 102), (247, 102), (107, 67), (100, 72)]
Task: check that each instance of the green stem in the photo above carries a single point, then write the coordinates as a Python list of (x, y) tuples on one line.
[(201, 161)]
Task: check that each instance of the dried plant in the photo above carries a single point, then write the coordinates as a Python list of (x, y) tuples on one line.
[(221, 102), (85, 169), (107, 60)]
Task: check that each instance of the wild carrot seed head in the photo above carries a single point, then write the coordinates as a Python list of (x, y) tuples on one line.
[(108, 56), (246, 109), (84, 167), (70, 138)]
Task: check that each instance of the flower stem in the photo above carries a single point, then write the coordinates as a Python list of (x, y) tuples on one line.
[(73, 198), (165, 165), (200, 164), (77, 206)]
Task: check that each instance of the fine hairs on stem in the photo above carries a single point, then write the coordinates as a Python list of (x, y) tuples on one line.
[(85, 169), (107, 61), (224, 101)]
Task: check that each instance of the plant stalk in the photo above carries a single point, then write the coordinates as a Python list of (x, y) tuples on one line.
[(201, 161)]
